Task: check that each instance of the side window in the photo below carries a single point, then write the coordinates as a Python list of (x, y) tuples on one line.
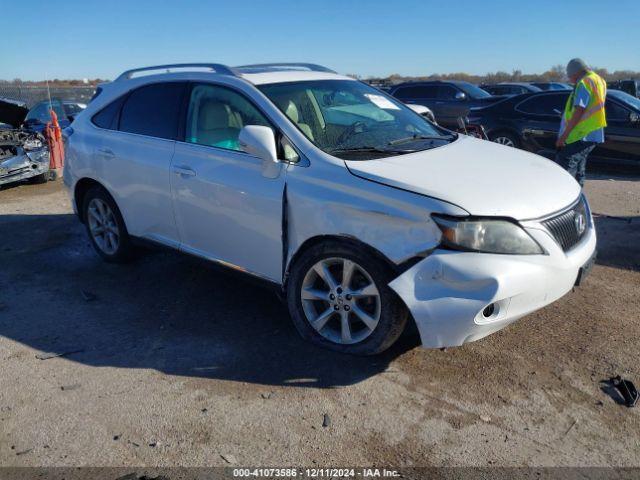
[(108, 116), (616, 112), (425, 91), (153, 110), (544, 105), (217, 114), (447, 92)]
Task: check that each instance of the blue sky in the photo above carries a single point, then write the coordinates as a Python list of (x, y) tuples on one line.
[(77, 39)]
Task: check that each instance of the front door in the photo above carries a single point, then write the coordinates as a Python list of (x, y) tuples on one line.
[(622, 136), (226, 209)]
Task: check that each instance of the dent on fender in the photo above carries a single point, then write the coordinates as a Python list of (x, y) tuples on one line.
[(388, 220)]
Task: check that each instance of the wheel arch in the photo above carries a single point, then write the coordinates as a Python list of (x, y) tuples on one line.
[(346, 240), (81, 188), (504, 129)]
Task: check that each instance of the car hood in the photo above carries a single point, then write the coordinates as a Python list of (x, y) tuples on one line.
[(12, 113), (482, 177)]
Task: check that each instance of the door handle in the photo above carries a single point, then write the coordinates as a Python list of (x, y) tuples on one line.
[(106, 152), (184, 171)]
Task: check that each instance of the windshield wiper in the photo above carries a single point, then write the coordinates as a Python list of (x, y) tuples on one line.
[(367, 149), (421, 137)]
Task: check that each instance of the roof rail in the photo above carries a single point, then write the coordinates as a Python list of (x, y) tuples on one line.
[(258, 67), (216, 67)]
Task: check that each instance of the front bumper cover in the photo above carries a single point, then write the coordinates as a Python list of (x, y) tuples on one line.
[(448, 291), (24, 166)]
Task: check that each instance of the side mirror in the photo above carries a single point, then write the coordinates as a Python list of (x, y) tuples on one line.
[(260, 142), (461, 95)]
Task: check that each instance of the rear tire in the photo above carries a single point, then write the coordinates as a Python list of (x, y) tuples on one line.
[(105, 226), (339, 299)]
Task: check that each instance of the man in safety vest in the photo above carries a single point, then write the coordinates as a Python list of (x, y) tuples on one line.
[(583, 121)]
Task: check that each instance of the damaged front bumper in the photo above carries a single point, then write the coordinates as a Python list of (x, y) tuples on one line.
[(20, 158), (458, 297)]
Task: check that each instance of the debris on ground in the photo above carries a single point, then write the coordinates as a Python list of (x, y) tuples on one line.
[(623, 391), (228, 458), (67, 388), (485, 418), (326, 421), (573, 424), (23, 452), (48, 355)]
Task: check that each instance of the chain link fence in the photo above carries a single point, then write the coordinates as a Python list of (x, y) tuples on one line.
[(33, 94)]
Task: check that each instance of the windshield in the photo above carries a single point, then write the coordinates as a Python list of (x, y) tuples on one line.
[(40, 112), (349, 119), (624, 97), (473, 91)]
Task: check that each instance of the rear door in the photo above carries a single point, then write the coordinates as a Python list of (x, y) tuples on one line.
[(133, 154), (542, 114)]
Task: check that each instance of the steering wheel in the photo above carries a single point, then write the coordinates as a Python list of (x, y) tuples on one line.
[(353, 129)]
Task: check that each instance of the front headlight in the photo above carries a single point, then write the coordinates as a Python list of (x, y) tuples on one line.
[(486, 235)]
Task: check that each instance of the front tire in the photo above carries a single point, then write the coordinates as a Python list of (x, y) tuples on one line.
[(105, 226), (40, 179), (505, 138), (339, 298)]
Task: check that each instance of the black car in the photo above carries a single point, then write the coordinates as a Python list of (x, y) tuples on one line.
[(448, 100), (513, 88), (552, 85), (632, 87), (531, 121)]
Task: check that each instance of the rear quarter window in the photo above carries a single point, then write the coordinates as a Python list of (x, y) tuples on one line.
[(108, 116), (153, 110)]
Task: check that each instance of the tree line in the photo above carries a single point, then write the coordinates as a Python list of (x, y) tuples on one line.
[(554, 74)]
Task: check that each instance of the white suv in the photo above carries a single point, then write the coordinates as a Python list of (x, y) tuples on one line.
[(358, 208)]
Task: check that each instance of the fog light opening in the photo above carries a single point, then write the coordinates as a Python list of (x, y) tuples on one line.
[(489, 310)]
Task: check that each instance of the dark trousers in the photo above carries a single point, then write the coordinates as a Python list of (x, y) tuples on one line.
[(573, 158)]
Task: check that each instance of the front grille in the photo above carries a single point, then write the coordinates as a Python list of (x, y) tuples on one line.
[(569, 227)]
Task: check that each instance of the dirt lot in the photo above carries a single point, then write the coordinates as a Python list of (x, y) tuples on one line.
[(172, 361)]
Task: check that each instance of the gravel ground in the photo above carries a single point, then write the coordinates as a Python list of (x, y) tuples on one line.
[(172, 361)]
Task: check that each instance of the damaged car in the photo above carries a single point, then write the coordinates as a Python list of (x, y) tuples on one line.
[(362, 212), (24, 153)]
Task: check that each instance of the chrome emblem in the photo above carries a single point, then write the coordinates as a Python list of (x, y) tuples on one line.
[(580, 223)]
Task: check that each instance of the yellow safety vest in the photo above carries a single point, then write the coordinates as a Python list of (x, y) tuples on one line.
[(594, 116)]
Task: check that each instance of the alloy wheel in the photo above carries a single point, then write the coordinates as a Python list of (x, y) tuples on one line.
[(340, 300), (103, 227), (504, 141)]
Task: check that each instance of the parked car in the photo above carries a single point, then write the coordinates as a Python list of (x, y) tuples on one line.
[(360, 211), (532, 121), (632, 87), (72, 108), (506, 88), (39, 115), (447, 100), (422, 110), (552, 85), (24, 154)]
